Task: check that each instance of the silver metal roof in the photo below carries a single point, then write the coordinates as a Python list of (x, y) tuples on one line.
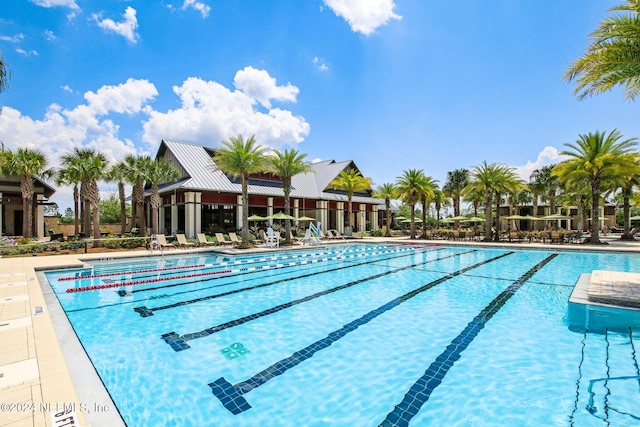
[(201, 174)]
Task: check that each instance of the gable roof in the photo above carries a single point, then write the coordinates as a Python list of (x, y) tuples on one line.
[(199, 173)]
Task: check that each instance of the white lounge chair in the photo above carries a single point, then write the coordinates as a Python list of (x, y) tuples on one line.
[(221, 240), (202, 240), (182, 241), (273, 239)]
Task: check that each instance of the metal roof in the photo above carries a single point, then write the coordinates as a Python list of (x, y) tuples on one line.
[(203, 175)]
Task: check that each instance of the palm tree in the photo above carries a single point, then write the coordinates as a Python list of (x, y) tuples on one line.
[(285, 165), (71, 174), (549, 184), (475, 197), (386, 191), (5, 74), (439, 200), (506, 182), (135, 175), (240, 159), (596, 158), (411, 185), (117, 173), (613, 56), (28, 165), (427, 195), (537, 187), (626, 182), (156, 172), (95, 165), (456, 181), (351, 182)]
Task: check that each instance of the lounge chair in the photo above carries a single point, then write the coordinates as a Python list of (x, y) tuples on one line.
[(309, 238), (182, 241), (202, 240), (335, 234), (161, 240), (273, 239), (234, 239), (221, 240)]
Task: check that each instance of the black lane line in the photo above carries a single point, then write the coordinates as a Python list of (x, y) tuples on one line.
[(123, 293), (179, 342), (144, 311), (421, 391), (231, 395)]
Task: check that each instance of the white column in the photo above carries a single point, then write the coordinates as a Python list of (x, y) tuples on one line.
[(296, 209), (174, 214), (1, 208), (40, 217), (189, 209), (198, 214), (340, 217), (374, 218), (270, 209), (363, 217), (239, 211)]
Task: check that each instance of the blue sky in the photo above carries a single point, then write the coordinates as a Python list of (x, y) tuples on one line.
[(391, 84)]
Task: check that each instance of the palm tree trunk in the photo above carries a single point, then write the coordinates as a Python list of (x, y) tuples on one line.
[(626, 207), (424, 217), (412, 229), (95, 202), (286, 189), (154, 200), (497, 236), (595, 220), (535, 210), (123, 208), (351, 213), (26, 186), (487, 217), (387, 205), (76, 213), (245, 209)]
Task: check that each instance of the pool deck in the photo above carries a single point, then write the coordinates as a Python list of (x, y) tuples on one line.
[(36, 384)]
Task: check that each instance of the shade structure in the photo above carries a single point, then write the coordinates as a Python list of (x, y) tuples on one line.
[(280, 215), (533, 218), (415, 220), (513, 217), (305, 218), (457, 218), (256, 218), (473, 219), (555, 217), (635, 218)]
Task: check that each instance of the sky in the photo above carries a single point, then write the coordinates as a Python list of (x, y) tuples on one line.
[(390, 84)]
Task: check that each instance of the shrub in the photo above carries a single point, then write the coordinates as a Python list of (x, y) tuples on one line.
[(376, 233)]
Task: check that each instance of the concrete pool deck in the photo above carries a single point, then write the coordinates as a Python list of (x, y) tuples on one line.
[(36, 341)]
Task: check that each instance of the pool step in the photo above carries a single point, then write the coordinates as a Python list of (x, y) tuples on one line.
[(608, 387)]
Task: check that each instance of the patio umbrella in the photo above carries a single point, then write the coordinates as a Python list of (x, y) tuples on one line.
[(473, 219), (635, 218), (305, 218), (532, 218), (415, 220), (555, 217), (256, 218), (280, 215), (516, 217), (457, 218)]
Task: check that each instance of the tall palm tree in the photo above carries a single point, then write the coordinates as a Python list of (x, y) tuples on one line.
[(456, 181), (285, 165), (626, 182), (537, 188), (475, 197), (28, 165), (5, 74), (613, 56), (550, 186), (386, 191), (506, 182), (240, 159), (351, 182), (427, 196), (71, 174), (95, 165), (117, 174), (596, 158), (411, 184), (440, 200), (156, 172), (134, 172)]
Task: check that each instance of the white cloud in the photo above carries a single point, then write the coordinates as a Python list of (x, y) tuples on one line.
[(197, 5), (548, 156), (126, 28), (316, 160), (364, 16), (48, 34), (66, 88), (71, 4), (15, 39), (210, 113), (27, 53), (320, 63), (261, 87)]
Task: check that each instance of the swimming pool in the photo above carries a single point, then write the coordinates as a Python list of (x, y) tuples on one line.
[(354, 335)]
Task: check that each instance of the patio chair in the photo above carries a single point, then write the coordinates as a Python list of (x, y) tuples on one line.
[(161, 240), (202, 240), (336, 234), (182, 241), (221, 240), (234, 239), (273, 239)]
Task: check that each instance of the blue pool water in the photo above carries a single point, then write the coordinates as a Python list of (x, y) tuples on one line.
[(357, 335)]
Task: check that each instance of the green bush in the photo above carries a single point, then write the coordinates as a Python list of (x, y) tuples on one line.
[(376, 233)]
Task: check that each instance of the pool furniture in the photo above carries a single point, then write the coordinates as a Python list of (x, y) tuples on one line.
[(202, 240), (273, 239), (234, 239), (182, 241), (221, 240), (161, 240)]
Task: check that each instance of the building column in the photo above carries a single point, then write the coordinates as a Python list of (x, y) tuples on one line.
[(270, 209), (374, 218), (189, 214), (161, 224), (39, 217), (1, 209), (363, 217), (239, 212), (198, 213), (174, 214), (340, 217), (296, 209)]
